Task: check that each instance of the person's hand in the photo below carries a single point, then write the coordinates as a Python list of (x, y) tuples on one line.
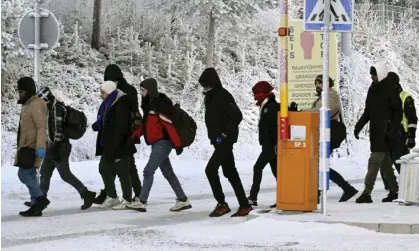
[(40, 152), (95, 127), (220, 138), (293, 107), (179, 151), (410, 143)]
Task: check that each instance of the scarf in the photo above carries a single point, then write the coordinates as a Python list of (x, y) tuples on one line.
[(103, 110)]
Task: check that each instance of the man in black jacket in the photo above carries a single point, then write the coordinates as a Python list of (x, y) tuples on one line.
[(114, 73), (407, 130), (59, 149), (383, 109), (222, 118)]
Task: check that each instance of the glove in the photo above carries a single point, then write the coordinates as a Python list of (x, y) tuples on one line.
[(95, 127), (220, 139), (40, 152), (56, 152), (293, 107), (356, 134), (410, 143), (179, 151)]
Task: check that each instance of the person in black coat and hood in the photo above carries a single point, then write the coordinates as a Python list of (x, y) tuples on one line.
[(114, 73), (222, 118), (383, 110)]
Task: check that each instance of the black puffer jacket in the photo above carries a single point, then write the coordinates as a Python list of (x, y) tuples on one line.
[(222, 115), (383, 109), (268, 129)]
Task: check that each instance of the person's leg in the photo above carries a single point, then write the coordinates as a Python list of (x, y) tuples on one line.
[(135, 178), (374, 163), (388, 173), (47, 169), (108, 177), (167, 171), (274, 166), (399, 151), (337, 178), (26, 176), (122, 168), (263, 159), (211, 171)]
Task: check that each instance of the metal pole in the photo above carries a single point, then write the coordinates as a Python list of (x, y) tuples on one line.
[(37, 51), (325, 111), (283, 71), (345, 47)]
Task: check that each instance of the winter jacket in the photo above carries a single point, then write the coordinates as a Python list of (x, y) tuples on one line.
[(268, 120), (334, 104), (222, 115), (57, 114), (383, 109), (32, 126), (157, 121), (116, 130)]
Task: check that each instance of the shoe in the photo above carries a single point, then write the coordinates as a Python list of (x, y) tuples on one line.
[(220, 210), (138, 206), (273, 206), (242, 211), (348, 194), (100, 199), (27, 203), (181, 205), (122, 206), (390, 197), (252, 202), (88, 198), (111, 202), (41, 203), (31, 212), (364, 198), (135, 199)]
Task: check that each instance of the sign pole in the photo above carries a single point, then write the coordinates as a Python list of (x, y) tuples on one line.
[(37, 47), (325, 111), (283, 69)]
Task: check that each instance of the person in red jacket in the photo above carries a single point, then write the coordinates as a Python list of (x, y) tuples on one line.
[(159, 132)]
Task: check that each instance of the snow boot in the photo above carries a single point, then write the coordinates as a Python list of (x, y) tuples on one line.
[(27, 203), (41, 203), (100, 199), (273, 206), (111, 202), (391, 197), (140, 206), (253, 202), (88, 198), (364, 198), (220, 210), (31, 212), (348, 193), (181, 205), (242, 211)]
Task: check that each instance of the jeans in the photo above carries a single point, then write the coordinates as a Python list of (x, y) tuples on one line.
[(159, 157), (28, 177)]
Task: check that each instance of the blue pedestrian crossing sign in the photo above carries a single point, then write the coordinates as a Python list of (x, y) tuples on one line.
[(341, 15)]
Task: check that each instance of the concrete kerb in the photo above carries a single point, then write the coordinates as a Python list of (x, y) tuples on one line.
[(390, 228)]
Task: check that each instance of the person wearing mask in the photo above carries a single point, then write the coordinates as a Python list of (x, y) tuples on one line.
[(59, 150), (383, 110), (31, 144), (159, 132), (114, 73), (336, 136), (113, 144), (407, 131), (222, 119)]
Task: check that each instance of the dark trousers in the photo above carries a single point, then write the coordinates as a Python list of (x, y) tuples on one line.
[(63, 168), (109, 169), (267, 156), (380, 161), (338, 179), (135, 178), (223, 156), (399, 150)]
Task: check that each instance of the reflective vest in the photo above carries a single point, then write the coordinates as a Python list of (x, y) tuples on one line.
[(403, 97)]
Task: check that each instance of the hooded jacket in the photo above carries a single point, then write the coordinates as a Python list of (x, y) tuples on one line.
[(383, 110), (222, 115), (268, 121), (158, 114)]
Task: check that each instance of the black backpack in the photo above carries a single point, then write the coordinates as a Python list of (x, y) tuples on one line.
[(185, 126), (75, 123)]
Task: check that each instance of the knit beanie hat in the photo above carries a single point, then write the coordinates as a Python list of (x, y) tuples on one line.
[(262, 90), (108, 87)]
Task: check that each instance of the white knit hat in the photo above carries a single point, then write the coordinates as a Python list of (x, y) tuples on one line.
[(108, 87)]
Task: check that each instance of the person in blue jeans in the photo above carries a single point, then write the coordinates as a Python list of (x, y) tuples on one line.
[(160, 133), (31, 143)]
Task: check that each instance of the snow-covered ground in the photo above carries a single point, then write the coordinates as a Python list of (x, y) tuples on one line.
[(64, 226)]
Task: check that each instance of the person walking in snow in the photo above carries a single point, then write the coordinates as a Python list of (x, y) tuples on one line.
[(113, 144), (59, 149), (222, 119), (383, 110), (407, 130), (114, 73), (268, 135), (336, 135), (160, 133), (31, 143)]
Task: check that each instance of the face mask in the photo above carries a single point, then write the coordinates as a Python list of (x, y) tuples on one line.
[(319, 90)]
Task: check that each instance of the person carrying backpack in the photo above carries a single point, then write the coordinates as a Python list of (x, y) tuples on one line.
[(222, 118), (59, 150), (114, 73), (159, 131)]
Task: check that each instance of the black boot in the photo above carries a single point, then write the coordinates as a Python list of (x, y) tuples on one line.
[(273, 206), (27, 203), (364, 198), (31, 212), (100, 198), (41, 203), (348, 192), (88, 197), (390, 197)]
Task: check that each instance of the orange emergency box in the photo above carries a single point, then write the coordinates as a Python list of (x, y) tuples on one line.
[(298, 164)]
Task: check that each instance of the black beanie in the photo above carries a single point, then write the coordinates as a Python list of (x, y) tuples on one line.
[(113, 73), (26, 84), (150, 84)]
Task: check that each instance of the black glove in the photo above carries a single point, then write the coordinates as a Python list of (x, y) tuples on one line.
[(95, 127), (56, 152), (293, 107), (179, 151), (410, 143)]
